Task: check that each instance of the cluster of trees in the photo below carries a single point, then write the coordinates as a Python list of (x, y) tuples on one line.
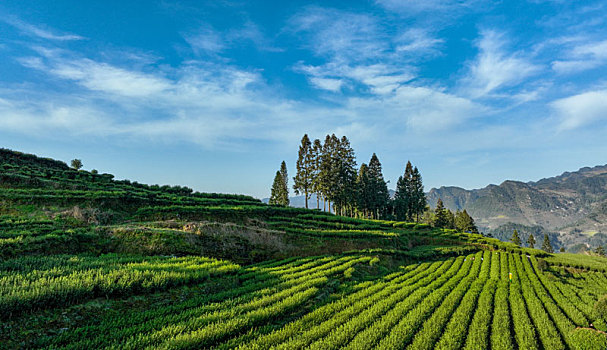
[(329, 170), (546, 245), (445, 218)]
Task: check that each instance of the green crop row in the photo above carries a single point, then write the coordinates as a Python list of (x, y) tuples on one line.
[(64, 283), (201, 326)]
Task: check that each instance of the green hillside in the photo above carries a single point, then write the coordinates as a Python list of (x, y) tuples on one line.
[(88, 261)]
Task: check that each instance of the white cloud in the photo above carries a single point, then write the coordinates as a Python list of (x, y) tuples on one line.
[(327, 83), (582, 57), (379, 78), (340, 34), (410, 8), (217, 105), (36, 31), (46, 118), (358, 51), (495, 68), (417, 110), (206, 40), (418, 41), (106, 78), (581, 110)]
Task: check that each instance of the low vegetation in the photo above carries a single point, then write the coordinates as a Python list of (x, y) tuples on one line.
[(90, 262)]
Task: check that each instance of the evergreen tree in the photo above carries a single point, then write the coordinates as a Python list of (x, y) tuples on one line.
[(515, 238), (464, 222), (400, 199), (450, 219), (546, 246), (404, 197), (419, 196), (285, 179), (305, 169), (280, 191), (378, 189), (531, 241), (316, 155), (345, 196), (329, 169), (363, 195), (441, 217), (277, 186)]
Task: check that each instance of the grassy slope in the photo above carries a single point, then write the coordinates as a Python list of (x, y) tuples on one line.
[(86, 257)]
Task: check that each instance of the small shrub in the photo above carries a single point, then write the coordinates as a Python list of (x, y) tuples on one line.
[(601, 308), (542, 265)]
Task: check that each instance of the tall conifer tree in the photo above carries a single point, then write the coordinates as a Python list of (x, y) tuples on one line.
[(280, 191), (346, 176), (515, 238), (378, 188), (400, 199), (316, 163), (285, 184), (546, 246), (464, 222), (329, 169), (277, 189), (403, 198), (363, 196), (531, 241), (305, 169), (441, 217), (418, 195)]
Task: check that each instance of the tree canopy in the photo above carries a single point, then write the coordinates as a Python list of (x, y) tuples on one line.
[(531, 241), (76, 164), (546, 246), (280, 191), (515, 238)]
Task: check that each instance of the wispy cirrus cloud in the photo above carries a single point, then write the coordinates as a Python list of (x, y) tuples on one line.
[(419, 109), (419, 42), (207, 40), (358, 51), (495, 67), (38, 31), (581, 110), (582, 56), (415, 7)]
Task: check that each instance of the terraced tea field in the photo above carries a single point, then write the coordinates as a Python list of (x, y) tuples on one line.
[(326, 302), (93, 263)]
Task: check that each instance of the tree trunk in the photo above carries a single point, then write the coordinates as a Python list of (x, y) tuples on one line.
[(306, 194)]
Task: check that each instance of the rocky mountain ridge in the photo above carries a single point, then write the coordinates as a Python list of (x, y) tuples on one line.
[(572, 206)]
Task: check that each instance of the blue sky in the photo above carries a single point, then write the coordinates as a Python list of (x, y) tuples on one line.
[(214, 95)]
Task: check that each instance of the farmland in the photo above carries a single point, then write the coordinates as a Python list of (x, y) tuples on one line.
[(90, 262)]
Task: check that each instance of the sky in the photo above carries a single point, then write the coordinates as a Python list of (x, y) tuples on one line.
[(215, 94)]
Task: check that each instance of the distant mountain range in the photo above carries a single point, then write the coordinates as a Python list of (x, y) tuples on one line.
[(570, 208)]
